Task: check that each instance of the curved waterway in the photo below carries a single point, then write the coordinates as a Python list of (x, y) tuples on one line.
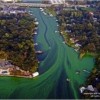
[(57, 64)]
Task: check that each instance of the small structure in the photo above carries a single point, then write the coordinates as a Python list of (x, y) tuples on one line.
[(44, 13), (39, 52), (77, 45), (51, 15), (86, 71), (41, 9), (35, 44), (64, 42), (90, 88), (35, 74), (36, 23), (82, 89), (4, 71), (35, 33), (72, 40), (91, 13), (12, 12)]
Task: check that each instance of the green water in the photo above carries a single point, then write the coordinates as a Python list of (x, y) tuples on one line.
[(59, 63)]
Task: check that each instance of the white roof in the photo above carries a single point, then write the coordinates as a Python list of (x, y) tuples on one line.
[(90, 87), (36, 23), (82, 89), (35, 74)]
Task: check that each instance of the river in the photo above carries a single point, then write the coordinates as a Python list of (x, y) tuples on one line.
[(58, 63)]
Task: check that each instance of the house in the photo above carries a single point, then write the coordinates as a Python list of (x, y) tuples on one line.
[(4, 71), (72, 40), (35, 74), (77, 45), (69, 31), (89, 88), (13, 12), (36, 23)]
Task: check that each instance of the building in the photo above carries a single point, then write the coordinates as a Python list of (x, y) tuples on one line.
[(35, 74), (4, 71)]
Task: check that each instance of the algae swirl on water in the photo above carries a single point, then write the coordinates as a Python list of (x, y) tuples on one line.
[(60, 62)]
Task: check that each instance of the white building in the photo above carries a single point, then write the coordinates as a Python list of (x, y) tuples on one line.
[(4, 72), (35, 74), (82, 89)]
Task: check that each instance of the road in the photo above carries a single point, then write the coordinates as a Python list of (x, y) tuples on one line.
[(38, 5)]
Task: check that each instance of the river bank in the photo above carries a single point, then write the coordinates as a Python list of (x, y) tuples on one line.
[(80, 31)]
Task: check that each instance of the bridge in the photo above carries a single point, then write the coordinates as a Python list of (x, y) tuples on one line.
[(38, 5)]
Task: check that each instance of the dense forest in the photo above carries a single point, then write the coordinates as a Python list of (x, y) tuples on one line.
[(16, 40)]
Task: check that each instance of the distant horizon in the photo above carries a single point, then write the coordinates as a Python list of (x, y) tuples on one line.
[(47, 0), (65, 0)]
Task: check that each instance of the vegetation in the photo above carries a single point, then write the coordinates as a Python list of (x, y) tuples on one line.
[(16, 40), (50, 10)]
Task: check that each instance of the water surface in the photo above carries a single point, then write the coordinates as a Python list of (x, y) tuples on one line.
[(58, 62)]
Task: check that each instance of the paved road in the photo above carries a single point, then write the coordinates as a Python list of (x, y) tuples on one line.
[(38, 5)]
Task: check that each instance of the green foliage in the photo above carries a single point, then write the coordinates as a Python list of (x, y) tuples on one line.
[(16, 39)]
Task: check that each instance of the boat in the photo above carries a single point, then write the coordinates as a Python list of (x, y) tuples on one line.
[(44, 13), (64, 42), (39, 52), (35, 33), (68, 80), (35, 44), (56, 20), (51, 15), (56, 31), (86, 71), (41, 9), (35, 19), (77, 72), (76, 50)]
